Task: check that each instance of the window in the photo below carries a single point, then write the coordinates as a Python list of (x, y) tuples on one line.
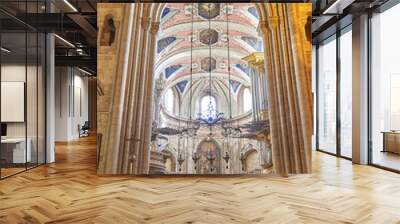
[(385, 89), (208, 107), (327, 96), (169, 101), (247, 101), (346, 93)]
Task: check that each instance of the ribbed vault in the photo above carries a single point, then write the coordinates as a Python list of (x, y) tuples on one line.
[(176, 54)]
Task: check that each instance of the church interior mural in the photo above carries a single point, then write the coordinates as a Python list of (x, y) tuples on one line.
[(202, 123), (205, 107)]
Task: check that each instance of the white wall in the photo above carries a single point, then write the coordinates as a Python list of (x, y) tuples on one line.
[(16, 73), (34, 125), (71, 103)]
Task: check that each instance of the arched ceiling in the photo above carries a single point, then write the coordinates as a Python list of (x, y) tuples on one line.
[(175, 50)]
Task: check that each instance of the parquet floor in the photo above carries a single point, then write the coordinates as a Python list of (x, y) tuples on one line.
[(69, 191)]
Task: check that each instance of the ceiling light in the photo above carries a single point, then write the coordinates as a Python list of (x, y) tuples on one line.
[(5, 50), (70, 5), (84, 71), (65, 41), (337, 7)]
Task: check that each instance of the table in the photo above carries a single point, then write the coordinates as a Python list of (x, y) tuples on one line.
[(391, 141), (13, 150)]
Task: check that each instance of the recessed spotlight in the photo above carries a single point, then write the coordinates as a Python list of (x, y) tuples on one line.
[(84, 71), (65, 41), (5, 49), (70, 5)]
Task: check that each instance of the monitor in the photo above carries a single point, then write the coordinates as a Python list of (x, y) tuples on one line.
[(3, 129)]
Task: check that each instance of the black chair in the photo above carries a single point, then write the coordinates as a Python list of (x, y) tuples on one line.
[(84, 130)]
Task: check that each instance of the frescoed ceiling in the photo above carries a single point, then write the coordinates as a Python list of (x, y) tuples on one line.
[(208, 26)]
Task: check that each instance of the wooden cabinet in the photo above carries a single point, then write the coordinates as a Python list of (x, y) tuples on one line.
[(391, 142)]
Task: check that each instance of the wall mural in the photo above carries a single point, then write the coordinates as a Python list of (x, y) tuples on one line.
[(163, 43), (208, 36), (253, 42), (253, 12), (165, 12), (185, 115), (235, 85), (243, 68), (171, 70), (182, 85), (209, 10), (208, 64)]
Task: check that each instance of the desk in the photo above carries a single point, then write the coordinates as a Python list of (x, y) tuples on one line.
[(13, 150), (391, 141)]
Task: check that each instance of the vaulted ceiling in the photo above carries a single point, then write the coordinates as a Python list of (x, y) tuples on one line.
[(207, 25)]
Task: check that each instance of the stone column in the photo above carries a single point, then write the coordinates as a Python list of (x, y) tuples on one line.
[(266, 28), (298, 18), (147, 105), (288, 92), (259, 88), (254, 93), (50, 98), (114, 95), (129, 155)]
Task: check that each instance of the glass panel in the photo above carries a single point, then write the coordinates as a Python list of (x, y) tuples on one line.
[(13, 93), (327, 96), (23, 90), (346, 94), (41, 99), (31, 98), (385, 84)]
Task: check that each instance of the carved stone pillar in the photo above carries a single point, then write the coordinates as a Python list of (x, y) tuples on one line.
[(286, 92), (112, 101), (130, 155), (259, 88), (147, 105)]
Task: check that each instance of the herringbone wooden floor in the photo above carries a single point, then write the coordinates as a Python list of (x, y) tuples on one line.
[(69, 191)]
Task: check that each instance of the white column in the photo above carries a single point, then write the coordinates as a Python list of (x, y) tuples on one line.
[(254, 92), (50, 99), (360, 90)]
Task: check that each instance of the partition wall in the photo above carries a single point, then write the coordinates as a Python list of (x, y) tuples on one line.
[(23, 85)]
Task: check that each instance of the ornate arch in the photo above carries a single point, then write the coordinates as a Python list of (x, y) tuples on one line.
[(202, 168), (167, 153)]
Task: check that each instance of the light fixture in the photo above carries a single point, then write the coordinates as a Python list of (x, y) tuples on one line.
[(337, 7), (70, 5), (79, 51), (226, 158), (65, 41), (84, 71), (195, 158), (5, 50)]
